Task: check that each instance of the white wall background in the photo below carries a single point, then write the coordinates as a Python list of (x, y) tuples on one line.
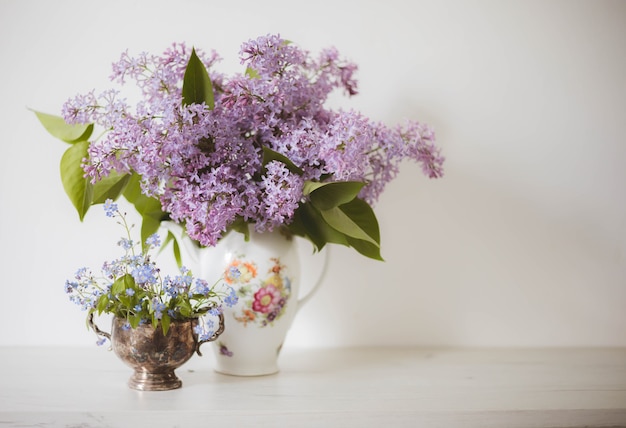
[(523, 243)]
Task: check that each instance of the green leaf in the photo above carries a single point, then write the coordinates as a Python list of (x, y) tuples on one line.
[(145, 205), (353, 223), (251, 72), (177, 255), (134, 320), (298, 224), (365, 248), (102, 303), (363, 215), (185, 308), (241, 226), (271, 155), (197, 86), (125, 300), (129, 281), (308, 222), (329, 195), (110, 187), (165, 323), (118, 286), (311, 186), (121, 284), (176, 248), (149, 226), (78, 188), (57, 126), (149, 208)]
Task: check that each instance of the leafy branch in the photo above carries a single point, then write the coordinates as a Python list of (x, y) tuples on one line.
[(331, 212)]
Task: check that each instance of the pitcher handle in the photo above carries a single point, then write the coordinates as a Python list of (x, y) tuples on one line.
[(95, 328), (215, 335), (320, 279)]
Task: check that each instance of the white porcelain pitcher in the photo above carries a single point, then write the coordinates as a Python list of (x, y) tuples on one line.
[(265, 272)]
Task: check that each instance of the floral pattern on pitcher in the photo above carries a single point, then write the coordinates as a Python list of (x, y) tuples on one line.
[(263, 300), (224, 350)]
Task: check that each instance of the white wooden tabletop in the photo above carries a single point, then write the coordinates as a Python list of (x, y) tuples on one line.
[(355, 387)]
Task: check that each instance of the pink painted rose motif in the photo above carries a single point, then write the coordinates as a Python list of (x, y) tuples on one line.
[(262, 299), (266, 299)]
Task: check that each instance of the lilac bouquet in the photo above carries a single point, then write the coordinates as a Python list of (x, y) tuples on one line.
[(132, 288), (217, 153)]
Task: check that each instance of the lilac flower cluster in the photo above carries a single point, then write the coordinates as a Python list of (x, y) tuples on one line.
[(131, 287), (204, 163)]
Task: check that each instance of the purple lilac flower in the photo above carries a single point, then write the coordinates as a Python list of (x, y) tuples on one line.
[(282, 191), (80, 108), (421, 148), (205, 165)]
